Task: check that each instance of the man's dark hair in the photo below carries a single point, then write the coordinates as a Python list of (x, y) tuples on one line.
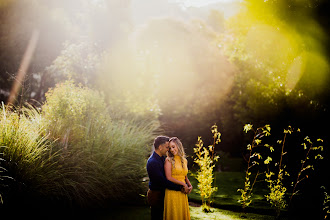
[(160, 140)]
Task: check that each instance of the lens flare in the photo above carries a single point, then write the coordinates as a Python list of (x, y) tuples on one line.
[(24, 66)]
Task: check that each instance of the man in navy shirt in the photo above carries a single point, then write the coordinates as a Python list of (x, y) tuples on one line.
[(157, 180)]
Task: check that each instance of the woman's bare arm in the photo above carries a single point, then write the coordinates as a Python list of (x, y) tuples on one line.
[(168, 173), (188, 182), (190, 187)]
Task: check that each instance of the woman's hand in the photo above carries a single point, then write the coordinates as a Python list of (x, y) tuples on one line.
[(185, 189), (190, 189)]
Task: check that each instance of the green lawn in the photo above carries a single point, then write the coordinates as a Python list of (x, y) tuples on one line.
[(225, 202), (143, 212), (227, 195), (196, 213)]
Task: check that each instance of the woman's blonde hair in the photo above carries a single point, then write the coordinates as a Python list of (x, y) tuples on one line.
[(181, 153)]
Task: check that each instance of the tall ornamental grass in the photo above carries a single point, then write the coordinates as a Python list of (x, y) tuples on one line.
[(27, 159), (72, 151), (108, 155)]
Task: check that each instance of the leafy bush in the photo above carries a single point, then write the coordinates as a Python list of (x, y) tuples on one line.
[(75, 114)]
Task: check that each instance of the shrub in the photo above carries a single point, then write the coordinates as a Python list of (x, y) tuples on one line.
[(75, 115), (206, 159), (277, 195), (252, 160)]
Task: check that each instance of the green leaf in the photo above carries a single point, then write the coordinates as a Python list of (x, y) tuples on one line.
[(258, 141), (269, 159), (247, 128)]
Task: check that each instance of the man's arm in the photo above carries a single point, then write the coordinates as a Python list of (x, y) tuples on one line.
[(158, 177)]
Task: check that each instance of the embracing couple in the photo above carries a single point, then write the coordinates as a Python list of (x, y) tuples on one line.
[(168, 181)]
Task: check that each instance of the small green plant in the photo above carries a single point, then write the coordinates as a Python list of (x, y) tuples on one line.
[(276, 196), (205, 158), (306, 165), (278, 191), (275, 175), (246, 193)]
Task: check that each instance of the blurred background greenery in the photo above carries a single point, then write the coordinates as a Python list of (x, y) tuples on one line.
[(230, 62)]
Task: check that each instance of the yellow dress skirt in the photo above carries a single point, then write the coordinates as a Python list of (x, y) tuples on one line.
[(176, 206)]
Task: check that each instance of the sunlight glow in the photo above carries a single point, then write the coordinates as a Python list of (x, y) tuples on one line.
[(24, 66), (200, 3)]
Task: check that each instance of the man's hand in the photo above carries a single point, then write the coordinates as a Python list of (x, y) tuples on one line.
[(185, 189)]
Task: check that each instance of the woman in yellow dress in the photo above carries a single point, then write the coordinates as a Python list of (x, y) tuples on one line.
[(176, 205)]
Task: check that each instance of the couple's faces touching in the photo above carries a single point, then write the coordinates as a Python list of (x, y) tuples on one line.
[(169, 147), (164, 148), (173, 148)]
